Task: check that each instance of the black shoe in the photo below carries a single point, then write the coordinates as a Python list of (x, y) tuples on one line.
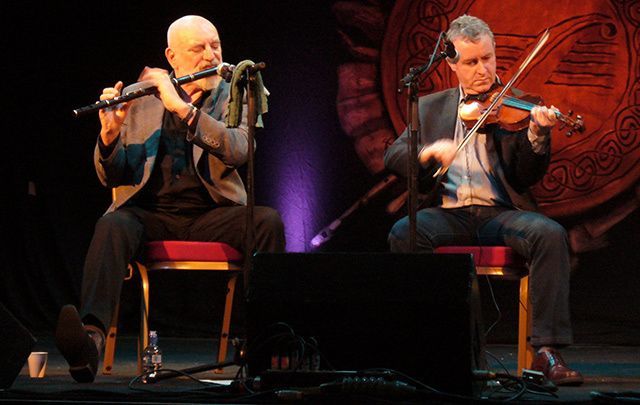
[(76, 346)]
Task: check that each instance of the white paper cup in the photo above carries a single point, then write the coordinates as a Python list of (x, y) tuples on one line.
[(37, 364)]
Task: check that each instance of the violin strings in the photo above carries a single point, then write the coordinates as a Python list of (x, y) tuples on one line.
[(527, 106), (517, 103)]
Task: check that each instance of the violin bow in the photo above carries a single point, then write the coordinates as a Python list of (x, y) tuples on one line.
[(545, 36)]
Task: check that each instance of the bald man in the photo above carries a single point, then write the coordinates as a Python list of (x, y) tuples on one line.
[(173, 164)]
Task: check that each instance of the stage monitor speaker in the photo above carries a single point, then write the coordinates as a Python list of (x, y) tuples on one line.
[(15, 345), (413, 313)]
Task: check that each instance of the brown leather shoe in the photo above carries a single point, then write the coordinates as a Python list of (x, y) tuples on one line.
[(555, 369)]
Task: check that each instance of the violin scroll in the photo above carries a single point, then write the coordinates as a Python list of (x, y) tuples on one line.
[(574, 124)]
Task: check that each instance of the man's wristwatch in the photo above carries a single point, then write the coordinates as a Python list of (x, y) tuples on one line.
[(190, 114)]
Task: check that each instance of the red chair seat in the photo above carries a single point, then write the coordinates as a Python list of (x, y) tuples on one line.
[(176, 250), (487, 256)]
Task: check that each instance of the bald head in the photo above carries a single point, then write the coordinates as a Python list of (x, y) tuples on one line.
[(183, 26)]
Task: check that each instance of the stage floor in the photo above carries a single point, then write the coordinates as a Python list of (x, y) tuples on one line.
[(607, 369)]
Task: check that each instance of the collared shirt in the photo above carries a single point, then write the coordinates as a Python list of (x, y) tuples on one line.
[(474, 175)]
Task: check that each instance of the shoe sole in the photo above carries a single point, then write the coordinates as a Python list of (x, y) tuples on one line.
[(76, 346), (570, 382)]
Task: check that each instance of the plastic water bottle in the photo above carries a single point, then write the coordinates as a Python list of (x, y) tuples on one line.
[(151, 359)]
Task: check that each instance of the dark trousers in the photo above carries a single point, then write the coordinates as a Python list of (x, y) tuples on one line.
[(119, 235), (540, 240)]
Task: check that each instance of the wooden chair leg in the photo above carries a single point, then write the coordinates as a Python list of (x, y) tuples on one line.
[(112, 333), (525, 350), (110, 343), (226, 320), (143, 338)]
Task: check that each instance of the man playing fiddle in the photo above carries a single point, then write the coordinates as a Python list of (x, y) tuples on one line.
[(483, 199), (173, 162)]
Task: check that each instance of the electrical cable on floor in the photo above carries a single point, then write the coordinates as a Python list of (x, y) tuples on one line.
[(615, 397), (139, 378), (379, 384), (493, 356), (495, 305), (507, 384)]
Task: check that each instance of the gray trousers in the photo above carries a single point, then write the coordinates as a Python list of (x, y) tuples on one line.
[(540, 240), (119, 235)]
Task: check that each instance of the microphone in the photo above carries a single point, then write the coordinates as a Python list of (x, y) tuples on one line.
[(326, 233), (450, 51)]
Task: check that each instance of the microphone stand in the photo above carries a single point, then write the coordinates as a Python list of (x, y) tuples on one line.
[(410, 81), (252, 118)]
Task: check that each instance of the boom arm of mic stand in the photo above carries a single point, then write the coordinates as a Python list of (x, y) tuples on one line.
[(410, 78), (415, 72)]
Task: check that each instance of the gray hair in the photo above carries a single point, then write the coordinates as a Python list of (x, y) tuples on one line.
[(470, 28)]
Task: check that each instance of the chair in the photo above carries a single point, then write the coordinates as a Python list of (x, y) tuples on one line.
[(502, 261), (178, 255)]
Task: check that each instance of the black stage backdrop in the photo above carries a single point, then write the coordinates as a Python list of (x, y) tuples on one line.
[(59, 56)]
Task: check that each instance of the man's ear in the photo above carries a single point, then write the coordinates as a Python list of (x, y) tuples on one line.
[(453, 66), (170, 55)]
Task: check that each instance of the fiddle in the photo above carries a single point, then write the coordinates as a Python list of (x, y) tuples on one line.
[(511, 112)]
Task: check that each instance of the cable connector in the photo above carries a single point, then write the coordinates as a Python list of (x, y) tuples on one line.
[(533, 376), (297, 395), (538, 379), (484, 375), (289, 395), (369, 386)]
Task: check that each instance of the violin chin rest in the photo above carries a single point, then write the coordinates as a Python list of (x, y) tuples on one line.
[(470, 111)]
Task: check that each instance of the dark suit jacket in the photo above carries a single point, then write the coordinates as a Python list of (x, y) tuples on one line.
[(438, 113), (217, 150)]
